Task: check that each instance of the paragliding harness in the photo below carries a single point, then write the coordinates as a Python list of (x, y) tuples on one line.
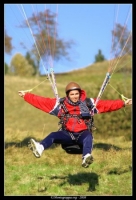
[(88, 119)]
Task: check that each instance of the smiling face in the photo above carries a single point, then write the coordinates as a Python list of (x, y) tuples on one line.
[(74, 95)]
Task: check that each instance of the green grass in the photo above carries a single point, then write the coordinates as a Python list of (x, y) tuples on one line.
[(56, 172)]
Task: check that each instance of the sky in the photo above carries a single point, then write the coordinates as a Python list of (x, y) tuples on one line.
[(88, 25)]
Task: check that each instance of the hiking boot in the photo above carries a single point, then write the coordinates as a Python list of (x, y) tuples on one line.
[(36, 147), (87, 160)]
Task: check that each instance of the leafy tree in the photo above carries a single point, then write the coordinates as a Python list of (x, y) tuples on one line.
[(6, 68), (31, 62), (99, 57), (20, 66), (122, 41), (7, 43), (45, 33)]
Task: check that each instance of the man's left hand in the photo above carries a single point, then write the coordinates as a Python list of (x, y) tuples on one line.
[(128, 102)]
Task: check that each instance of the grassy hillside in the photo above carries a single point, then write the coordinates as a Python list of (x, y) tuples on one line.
[(58, 172)]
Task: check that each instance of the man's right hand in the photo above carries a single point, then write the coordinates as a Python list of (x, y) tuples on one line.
[(21, 93)]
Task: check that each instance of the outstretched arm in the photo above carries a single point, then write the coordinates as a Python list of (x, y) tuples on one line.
[(43, 103), (104, 106)]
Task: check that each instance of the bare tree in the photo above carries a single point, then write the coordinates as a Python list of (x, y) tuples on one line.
[(45, 32), (7, 43), (122, 41)]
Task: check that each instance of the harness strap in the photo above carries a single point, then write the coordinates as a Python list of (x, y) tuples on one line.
[(73, 137), (64, 106), (64, 117)]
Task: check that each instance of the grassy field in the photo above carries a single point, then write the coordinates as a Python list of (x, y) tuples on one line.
[(57, 173)]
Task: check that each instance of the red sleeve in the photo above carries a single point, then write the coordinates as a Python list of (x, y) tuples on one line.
[(109, 105), (42, 103)]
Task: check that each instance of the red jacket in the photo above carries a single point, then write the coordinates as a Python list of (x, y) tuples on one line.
[(50, 105)]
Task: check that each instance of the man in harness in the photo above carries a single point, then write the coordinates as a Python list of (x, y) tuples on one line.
[(76, 119)]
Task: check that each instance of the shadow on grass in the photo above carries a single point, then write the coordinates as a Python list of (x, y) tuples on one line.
[(79, 179), (105, 146), (119, 171), (25, 142), (18, 144)]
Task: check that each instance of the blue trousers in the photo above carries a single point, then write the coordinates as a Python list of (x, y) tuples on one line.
[(86, 139)]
